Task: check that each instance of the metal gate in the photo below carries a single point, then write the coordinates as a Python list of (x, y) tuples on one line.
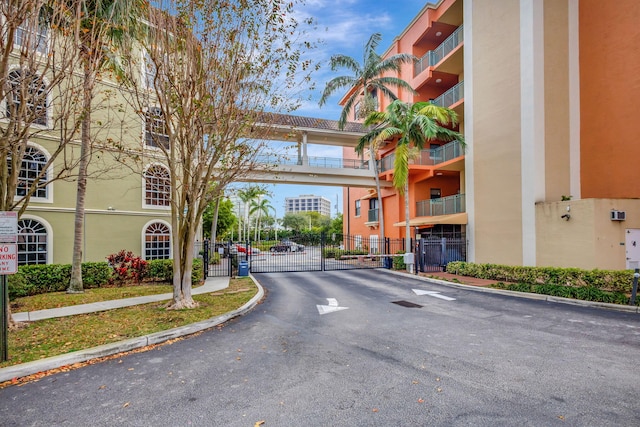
[(434, 253), (319, 252)]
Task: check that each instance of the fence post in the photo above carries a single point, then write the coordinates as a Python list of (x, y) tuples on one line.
[(634, 290), (205, 259), (322, 243)]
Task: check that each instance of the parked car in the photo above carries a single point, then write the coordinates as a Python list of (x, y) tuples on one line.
[(242, 249), (287, 246)]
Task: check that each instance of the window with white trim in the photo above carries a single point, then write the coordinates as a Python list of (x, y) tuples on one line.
[(156, 133), (32, 242), (149, 71), (27, 97), (157, 241), (32, 172), (157, 184), (32, 34)]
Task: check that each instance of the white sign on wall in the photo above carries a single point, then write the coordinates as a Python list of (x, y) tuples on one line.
[(8, 227)]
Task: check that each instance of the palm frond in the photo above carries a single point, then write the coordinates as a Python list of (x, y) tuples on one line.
[(401, 167), (344, 61), (335, 84)]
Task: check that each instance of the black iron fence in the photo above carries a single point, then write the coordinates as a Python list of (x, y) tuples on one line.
[(320, 252)]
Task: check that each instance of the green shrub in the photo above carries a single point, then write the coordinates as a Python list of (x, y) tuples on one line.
[(161, 270), (398, 261), (43, 278)]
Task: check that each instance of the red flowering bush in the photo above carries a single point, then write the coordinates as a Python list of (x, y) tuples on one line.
[(127, 268)]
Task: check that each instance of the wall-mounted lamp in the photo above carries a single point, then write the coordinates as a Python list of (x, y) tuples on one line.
[(111, 208), (439, 33), (566, 217)]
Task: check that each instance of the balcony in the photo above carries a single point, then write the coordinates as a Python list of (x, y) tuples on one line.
[(451, 96), (373, 215), (433, 57), (431, 157), (442, 206)]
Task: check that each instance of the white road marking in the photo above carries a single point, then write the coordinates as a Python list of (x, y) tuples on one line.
[(432, 294), (332, 307)]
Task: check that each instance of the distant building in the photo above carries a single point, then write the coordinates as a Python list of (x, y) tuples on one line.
[(307, 203)]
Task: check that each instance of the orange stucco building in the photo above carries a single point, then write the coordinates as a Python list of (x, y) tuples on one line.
[(546, 91)]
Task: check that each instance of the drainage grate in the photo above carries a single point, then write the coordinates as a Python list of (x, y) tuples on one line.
[(406, 304)]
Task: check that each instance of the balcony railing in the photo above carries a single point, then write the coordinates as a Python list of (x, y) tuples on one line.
[(432, 57), (451, 96), (373, 215), (429, 157), (442, 206), (316, 162)]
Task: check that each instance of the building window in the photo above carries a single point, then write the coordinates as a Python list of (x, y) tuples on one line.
[(156, 133), (32, 35), (26, 97), (157, 241), (32, 242), (157, 184), (357, 207), (149, 71), (32, 172)]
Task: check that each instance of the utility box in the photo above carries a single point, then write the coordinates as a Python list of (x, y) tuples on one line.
[(409, 258), (243, 268)]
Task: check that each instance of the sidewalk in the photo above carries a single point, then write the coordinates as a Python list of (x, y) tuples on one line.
[(212, 284)]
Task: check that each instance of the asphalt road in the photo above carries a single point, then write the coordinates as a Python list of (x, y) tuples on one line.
[(459, 358)]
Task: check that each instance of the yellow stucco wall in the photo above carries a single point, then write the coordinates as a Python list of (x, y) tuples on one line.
[(589, 239), (496, 131)]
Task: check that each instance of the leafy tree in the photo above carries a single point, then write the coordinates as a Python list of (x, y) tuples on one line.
[(412, 125), (372, 76), (105, 28), (32, 81), (225, 219), (260, 208), (368, 78), (216, 65)]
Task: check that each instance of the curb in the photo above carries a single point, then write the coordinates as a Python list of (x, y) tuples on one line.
[(30, 368), (527, 295)]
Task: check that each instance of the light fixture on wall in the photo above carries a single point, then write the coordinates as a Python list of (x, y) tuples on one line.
[(439, 33), (566, 217), (111, 208), (438, 80)]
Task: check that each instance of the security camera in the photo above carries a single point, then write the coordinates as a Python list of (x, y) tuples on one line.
[(566, 217)]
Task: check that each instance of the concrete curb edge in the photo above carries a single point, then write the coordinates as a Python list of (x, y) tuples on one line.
[(527, 295), (30, 368)]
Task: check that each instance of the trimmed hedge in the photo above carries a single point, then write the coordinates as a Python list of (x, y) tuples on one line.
[(339, 253), (44, 278), (616, 281), (586, 293)]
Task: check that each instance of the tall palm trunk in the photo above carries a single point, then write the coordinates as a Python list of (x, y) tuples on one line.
[(408, 247), (75, 285), (378, 190)]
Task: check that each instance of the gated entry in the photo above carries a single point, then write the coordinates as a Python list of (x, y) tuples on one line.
[(318, 252)]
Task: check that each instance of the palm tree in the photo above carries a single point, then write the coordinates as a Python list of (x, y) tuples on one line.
[(247, 195), (413, 125), (107, 26), (260, 207), (367, 78)]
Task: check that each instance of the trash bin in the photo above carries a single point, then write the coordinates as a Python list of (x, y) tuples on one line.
[(243, 268), (387, 262)]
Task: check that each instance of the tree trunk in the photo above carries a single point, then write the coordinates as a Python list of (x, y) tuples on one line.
[(214, 223), (75, 285), (378, 190), (408, 247), (182, 271)]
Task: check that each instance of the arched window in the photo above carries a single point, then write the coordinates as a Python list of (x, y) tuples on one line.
[(156, 133), (157, 241), (157, 185), (32, 170), (32, 242), (27, 97)]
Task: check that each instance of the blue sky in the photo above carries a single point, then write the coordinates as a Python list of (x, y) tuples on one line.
[(344, 26)]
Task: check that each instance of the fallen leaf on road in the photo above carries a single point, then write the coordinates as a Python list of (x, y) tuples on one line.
[(258, 423), (561, 417), (421, 400), (125, 405), (375, 409)]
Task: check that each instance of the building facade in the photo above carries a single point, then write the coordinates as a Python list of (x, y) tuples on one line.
[(127, 203), (308, 203), (543, 89)]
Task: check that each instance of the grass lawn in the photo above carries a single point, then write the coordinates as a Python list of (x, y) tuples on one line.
[(52, 337)]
